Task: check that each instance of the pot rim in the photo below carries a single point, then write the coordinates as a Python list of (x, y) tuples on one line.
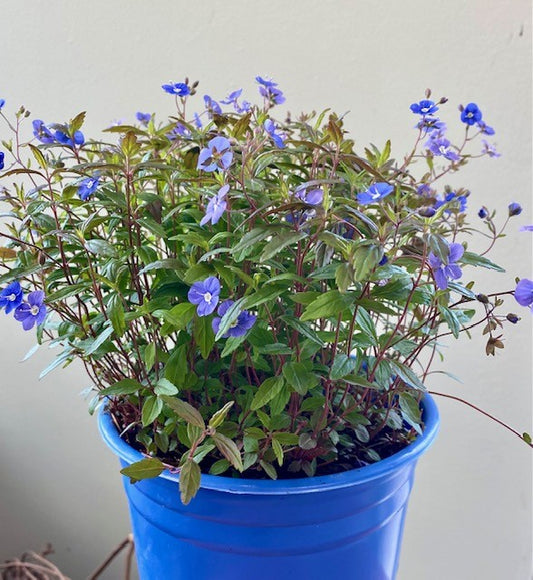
[(319, 483)]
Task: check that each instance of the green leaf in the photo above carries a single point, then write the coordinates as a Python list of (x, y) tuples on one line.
[(187, 412), (280, 241), (189, 482), (299, 377), (278, 451), (219, 467), (303, 329), (331, 303), (123, 387), (266, 392), (203, 335), (39, 157), (366, 258), (218, 418), (100, 248), (229, 450), (152, 407), (342, 365), (366, 324), (178, 316), (229, 318), (407, 375), (286, 438), (411, 411), (99, 341), (265, 294), (115, 312), (143, 469), (306, 441), (177, 367), (451, 319), (344, 276), (248, 242), (269, 469), (476, 260), (165, 387), (232, 343), (149, 355), (166, 264)]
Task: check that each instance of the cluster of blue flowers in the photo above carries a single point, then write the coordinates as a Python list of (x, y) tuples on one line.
[(205, 295), (29, 311), (57, 134)]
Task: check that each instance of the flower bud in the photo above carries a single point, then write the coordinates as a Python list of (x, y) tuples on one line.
[(427, 211), (483, 213), (514, 209), (482, 298), (512, 318)]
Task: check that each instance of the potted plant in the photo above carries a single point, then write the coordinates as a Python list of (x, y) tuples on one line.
[(259, 305)]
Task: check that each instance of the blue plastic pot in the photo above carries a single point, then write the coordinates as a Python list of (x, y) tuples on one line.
[(344, 526)]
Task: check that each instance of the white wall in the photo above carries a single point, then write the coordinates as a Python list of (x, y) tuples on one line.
[(470, 514)]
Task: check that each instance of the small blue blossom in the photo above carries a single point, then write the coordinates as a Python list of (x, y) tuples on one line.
[(425, 191), (216, 207), (42, 132), (32, 311), (197, 121), (489, 149), (514, 209), (216, 156), (527, 228), (87, 187), (424, 107), (442, 271), (452, 197), (429, 124), (439, 145), (375, 192), (178, 89), (144, 118), (383, 260), (483, 213), (232, 99), (11, 297), (278, 138), (524, 293), (308, 194), (485, 129), (240, 327), (268, 89), (212, 107), (65, 139), (2, 157), (179, 131), (205, 295), (471, 114)]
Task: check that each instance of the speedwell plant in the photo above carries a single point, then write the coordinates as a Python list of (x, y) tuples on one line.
[(249, 295)]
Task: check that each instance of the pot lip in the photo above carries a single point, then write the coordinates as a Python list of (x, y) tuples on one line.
[(354, 477)]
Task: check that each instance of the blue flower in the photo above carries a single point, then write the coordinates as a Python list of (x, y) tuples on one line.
[(486, 129), (144, 118), (526, 228), (452, 197), (429, 124), (425, 191), (278, 138), (424, 107), (42, 132), (241, 326), (2, 103), (11, 297), (216, 156), (471, 114), (179, 131), (524, 293), (439, 145), (269, 90), (33, 311), (205, 295), (514, 209), (197, 121), (65, 139), (489, 149), (216, 207), (178, 89), (483, 213), (212, 107), (309, 195), (232, 99), (87, 187), (375, 192), (2, 156), (442, 271)]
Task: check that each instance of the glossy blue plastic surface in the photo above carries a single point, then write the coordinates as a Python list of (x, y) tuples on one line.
[(345, 526)]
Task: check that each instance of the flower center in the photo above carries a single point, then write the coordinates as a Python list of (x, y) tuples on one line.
[(34, 310), (443, 149), (12, 297), (208, 297), (424, 109), (470, 115)]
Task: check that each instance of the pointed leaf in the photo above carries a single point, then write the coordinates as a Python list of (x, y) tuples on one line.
[(189, 481), (185, 411), (144, 469), (229, 450)]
